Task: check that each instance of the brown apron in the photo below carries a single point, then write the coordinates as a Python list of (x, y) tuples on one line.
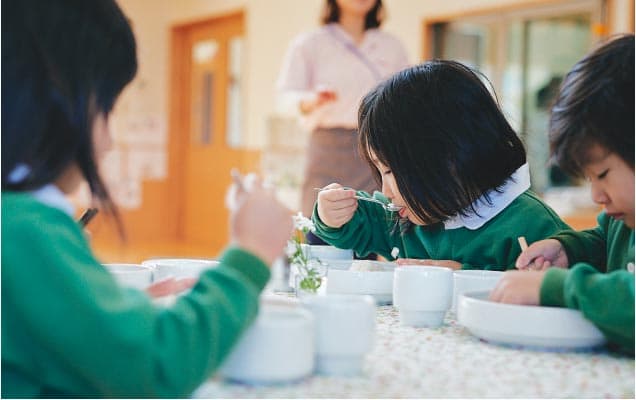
[(332, 156)]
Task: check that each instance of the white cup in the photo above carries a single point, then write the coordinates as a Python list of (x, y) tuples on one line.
[(422, 294), (179, 267), (278, 347), (131, 275), (473, 280), (345, 332)]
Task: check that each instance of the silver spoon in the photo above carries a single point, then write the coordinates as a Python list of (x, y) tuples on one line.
[(389, 206)]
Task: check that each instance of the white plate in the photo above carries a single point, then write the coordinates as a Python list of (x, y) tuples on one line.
[(546, 328)]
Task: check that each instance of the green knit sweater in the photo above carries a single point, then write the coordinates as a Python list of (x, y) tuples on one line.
[(598, 281), (493, 246), (69, 330)]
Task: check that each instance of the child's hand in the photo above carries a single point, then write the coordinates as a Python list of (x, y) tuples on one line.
[(518, 287), (542, 255), (454, 265), (336, 205), (170, 286), (258, 222)]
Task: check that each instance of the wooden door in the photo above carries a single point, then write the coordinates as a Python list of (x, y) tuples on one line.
[(207, 128)]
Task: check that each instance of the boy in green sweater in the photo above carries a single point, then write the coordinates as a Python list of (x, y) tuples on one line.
[(591, 135), (445, 154), (68, 329)]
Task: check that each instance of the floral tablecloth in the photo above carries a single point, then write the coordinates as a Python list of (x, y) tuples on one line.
[(447, 362)]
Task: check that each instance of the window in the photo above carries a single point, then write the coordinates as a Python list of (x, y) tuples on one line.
[(525, 52)]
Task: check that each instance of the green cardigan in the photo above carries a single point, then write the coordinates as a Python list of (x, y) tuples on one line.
[(493, 246), (69, 330), (598, 281)]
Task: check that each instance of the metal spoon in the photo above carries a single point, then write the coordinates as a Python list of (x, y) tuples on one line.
[(389, 206)]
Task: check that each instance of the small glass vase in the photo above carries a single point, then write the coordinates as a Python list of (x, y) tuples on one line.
[(310, 280)]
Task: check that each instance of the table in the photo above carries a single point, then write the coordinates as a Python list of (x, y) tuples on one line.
[(447, 362)]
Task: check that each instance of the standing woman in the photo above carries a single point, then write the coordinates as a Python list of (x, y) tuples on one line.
[(326, 72)]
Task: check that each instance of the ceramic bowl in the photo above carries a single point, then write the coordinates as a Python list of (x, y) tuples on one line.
[(178, 267), (277, 348), (546, 328), (324, 253), (422, 294), (131, 275), (345, 332), (358, 279), (473, 280)]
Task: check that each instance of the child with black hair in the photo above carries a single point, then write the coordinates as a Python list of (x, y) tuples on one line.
[(444, 153), (591, 135), (68, 329)]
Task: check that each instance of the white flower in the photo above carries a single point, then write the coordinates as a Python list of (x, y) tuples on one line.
[(395, 252), (302, 223)]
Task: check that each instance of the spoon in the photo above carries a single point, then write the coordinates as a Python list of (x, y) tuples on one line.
[(388, 206)]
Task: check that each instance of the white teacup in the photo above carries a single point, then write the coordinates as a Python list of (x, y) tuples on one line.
[(422, 294), (345, 332), (473, 280), (278, 347), (179, 267), (131, 275)]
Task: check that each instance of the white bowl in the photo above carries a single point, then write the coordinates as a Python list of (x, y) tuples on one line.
[(278, 347), (377, 284), (473, 280), (345, 332), (179, 267), (324, 253), (533, 326), (422, 294), (131, 275)]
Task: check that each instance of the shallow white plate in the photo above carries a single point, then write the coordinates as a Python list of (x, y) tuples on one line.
[(377, 284), (545, 328)]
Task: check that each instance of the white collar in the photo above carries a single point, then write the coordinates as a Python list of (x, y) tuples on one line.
[(49, 194), (518, 183), (52, 196)]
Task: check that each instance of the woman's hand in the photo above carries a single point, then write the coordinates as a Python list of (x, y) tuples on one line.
[(259, 223), (543, 254), (336, 205), (454, 265), (518, 287), (322, 96)]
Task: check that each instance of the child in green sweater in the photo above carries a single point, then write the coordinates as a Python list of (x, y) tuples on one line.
[(591, 135), (446, 155), (68, 329)]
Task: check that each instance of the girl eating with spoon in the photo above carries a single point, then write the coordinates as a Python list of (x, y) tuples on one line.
[(445, 154)]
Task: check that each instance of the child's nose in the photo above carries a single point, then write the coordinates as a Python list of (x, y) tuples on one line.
[(598, 194)]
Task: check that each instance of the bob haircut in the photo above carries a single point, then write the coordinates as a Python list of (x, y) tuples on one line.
[(595, 105), (373, 19), (63, 62), (442, 135)]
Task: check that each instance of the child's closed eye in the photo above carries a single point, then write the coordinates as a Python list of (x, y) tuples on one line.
[(602, 174)]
